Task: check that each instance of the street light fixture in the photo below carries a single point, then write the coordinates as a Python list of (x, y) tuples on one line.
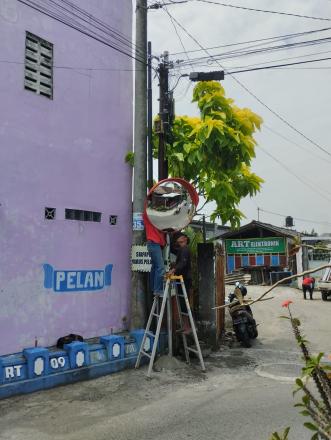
[(207, 76)]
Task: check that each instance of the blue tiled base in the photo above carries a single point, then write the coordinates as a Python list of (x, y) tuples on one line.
[(25, 372)]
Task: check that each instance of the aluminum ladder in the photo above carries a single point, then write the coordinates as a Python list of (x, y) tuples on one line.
[(158, 313)]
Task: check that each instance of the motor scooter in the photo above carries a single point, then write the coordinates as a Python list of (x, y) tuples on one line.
[(244, 324)]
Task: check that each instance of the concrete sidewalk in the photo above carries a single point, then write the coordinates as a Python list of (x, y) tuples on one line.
[(232, 401)]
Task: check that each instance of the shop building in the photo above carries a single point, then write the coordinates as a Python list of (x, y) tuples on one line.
[(262, 250)]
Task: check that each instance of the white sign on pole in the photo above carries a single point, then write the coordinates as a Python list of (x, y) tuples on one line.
[(140, 259), (137, 221)]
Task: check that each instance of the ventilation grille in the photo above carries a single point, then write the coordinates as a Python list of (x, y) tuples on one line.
[(113, 220), (50, 213), (85, 216), (38, 65)]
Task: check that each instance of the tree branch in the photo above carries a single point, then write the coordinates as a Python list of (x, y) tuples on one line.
[(306, 272)]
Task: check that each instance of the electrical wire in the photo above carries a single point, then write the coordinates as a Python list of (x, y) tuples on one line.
[(79, 28), (256, 97), (263, 10), (89, 18), (106, 69), (312, 187), (278, 37), (248, 52), (179, 37), (275, 66), (311, 152), (295, 218), (279, 59), (183, 95)]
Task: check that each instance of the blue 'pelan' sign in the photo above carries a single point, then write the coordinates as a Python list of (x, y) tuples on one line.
[(76, 280)]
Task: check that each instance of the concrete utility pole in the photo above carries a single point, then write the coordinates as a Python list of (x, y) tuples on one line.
[(150, 118), (138, 297)]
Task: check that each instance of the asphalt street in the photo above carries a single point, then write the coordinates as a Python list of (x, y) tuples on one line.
[(245, 394)]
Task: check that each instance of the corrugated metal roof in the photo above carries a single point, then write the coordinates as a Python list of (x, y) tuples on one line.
[(256, 224)]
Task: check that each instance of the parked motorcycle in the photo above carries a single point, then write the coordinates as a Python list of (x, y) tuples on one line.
[(244, 324)]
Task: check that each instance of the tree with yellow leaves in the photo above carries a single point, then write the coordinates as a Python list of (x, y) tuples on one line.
[(215, 151)]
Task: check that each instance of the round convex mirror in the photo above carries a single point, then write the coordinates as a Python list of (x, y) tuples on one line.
[(171, 204)]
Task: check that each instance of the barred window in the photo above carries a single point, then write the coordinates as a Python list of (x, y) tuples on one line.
[(38, 76)]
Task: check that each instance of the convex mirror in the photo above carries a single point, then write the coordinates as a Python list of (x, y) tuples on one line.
[(171, 204)]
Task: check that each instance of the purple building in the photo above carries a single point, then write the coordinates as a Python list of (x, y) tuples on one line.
[(65, 189)]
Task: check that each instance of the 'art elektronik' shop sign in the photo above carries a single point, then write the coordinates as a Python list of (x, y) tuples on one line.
[(266, 245)]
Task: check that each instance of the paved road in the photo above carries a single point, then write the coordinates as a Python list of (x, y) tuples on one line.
[(245, 394)]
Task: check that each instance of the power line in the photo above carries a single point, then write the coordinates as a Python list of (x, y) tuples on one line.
[(105, 27), (279, 59), (304, 182), (278, 37), (79, 28), (295, 143), (256, 97), (295, 218), (179, 37), (276, 66), (75, 67), (256, 50), (263, 10)]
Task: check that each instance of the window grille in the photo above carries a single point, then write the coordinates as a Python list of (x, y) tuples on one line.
[(85, 216), (38, 65)]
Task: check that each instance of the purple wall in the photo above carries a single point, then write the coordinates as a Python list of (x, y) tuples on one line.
[(64, 153)]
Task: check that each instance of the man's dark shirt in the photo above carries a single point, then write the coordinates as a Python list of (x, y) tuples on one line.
[(183, 263)]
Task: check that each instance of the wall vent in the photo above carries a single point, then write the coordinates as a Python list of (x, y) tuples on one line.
[(83, 216), (38, 75), (113, 220), (50, 213)]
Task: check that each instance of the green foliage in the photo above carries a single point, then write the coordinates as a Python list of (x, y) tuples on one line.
[(195, 238), (283, 436), (317, 408), (129, 158), (215, 151)]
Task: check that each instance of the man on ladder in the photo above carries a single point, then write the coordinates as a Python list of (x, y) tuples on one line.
[(171, 280), (169, 207)]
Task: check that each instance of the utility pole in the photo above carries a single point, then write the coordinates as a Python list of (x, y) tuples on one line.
[(150, 118), (258, 214), (138, 296), (164, 116)]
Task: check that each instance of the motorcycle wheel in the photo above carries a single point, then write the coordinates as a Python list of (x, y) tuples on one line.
[(253, 333), (243, 336)]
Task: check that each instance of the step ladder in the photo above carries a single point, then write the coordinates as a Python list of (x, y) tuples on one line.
[(158, 313)]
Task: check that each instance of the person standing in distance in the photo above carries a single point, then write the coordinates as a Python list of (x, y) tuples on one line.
[(308, 284)]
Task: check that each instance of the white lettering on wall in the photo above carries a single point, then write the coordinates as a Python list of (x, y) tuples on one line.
[(12, 372), (88, 280), (58, 362), (79, 283), (99, 279), (60, 276), (71, 280)]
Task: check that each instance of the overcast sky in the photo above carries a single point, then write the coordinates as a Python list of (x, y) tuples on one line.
[(300, 94)]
